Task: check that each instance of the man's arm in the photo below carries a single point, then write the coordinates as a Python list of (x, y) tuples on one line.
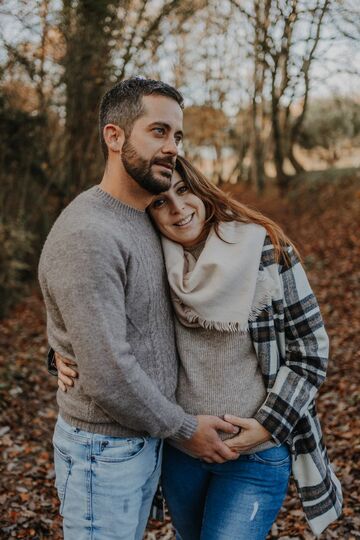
[(93, 312), (88, 286), (205, 442)]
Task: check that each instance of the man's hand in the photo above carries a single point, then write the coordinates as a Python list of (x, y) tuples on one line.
[(66, 374), (206, 443), (251, 434)]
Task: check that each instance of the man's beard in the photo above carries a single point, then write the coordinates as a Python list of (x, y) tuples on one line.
[(140, 170)]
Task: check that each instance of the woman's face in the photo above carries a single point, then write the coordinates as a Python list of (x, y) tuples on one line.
[(179, 214)]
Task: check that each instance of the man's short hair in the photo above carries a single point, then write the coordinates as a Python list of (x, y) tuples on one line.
[(122, 105)]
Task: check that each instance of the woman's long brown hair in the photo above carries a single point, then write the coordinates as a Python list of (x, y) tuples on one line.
[(221, 207)]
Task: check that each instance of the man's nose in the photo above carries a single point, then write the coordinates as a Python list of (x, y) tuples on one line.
[(170, 147)]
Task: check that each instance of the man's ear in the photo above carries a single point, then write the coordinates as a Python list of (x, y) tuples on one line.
[(114, 137)]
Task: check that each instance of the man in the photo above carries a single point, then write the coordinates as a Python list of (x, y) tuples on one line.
[(104, 285)]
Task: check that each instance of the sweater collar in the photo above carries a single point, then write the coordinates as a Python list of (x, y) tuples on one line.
[(117, 205)]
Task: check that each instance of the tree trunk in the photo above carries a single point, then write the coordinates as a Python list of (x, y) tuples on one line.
[(257, 166), (86, 76), (258, 170), (293, 160), (282, 178)]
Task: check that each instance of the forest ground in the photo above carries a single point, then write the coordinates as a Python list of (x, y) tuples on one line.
[(322, 215)]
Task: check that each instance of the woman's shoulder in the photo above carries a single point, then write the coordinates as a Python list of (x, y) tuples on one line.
[(283, 260)]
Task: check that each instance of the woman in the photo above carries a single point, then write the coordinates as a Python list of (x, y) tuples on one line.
[(252, 349)]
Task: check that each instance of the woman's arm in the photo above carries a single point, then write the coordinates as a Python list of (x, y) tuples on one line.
[(306, 354)]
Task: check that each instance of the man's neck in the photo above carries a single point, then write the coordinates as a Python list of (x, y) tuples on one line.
[(125, 189)]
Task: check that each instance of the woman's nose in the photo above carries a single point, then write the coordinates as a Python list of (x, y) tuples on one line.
[(176, 205)]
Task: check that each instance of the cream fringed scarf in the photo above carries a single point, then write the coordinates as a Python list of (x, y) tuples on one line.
[(223, 289)]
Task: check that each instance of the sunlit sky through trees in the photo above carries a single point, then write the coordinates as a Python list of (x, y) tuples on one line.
[(208, 56)]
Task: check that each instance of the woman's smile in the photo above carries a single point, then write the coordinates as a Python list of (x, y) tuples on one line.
[(185, 221), (179, 214)]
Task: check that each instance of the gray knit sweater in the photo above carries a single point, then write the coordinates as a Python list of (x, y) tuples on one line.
[(103, 280), (219, 373)]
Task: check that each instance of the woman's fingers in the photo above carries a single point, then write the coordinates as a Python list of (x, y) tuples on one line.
[(227, 427), (237, 421), (70, 372), (238, 447), (61, 385), (65, 366), (231, 443), (237, 444), (68, 381), (64, 360)]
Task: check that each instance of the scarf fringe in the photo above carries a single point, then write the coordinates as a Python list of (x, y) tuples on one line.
[(262, 301), (263, 294), (193, 318)]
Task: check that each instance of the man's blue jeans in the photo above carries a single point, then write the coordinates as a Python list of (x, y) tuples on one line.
[(105, 484), (236, 500)]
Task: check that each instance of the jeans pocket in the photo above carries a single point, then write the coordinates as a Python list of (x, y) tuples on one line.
[(116, 450), (276, 456), (63, 464)]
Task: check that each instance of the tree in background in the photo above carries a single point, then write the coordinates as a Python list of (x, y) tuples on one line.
[(105, 41), (19, 130), (86, 27), (212, 78), (59, 61), (26, 119), (331, 125), (284, 36), (206, 128), (246, 68)]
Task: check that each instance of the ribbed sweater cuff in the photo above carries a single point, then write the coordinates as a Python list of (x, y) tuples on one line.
[(187, 429)]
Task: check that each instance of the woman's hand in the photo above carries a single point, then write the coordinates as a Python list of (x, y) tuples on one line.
[(66, 372), (251, 434)]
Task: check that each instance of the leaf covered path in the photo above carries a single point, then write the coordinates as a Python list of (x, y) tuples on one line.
[(324, 221)]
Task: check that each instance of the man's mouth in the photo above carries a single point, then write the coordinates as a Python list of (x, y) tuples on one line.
[(184, 221), (168, 166)]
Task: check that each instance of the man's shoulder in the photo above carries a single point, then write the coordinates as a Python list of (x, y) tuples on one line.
[(83, 210), (84, 218), (84, 228)]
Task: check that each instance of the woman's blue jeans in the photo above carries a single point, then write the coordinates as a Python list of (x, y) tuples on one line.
[(105, 484), (236, 500)]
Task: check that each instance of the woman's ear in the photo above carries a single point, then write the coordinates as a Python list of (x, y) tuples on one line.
[(114, 137)]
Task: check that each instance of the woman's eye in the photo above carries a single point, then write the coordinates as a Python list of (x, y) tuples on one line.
[(182, 189), (158, 203)]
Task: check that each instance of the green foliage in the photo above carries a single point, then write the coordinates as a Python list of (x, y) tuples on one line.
[(330, 122), (16, 249), (22, 147), (22, 177)]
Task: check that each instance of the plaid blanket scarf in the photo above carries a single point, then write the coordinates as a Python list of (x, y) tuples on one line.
[(292, 349)]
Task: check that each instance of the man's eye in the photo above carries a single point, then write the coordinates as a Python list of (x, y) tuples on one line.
[(178, 140), (159, 130)]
